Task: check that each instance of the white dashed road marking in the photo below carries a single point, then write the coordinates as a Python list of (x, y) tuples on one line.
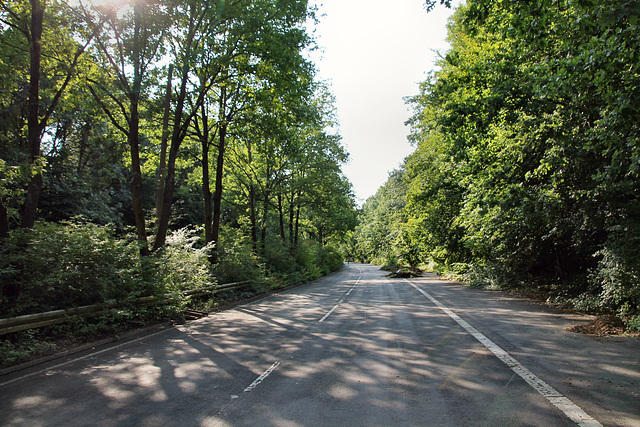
[(261, 378), (342, 300)]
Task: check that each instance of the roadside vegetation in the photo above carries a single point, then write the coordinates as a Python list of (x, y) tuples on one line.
[(159, 147), (526, 167)]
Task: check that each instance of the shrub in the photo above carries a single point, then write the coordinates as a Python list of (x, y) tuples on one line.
[(328, 259), (55, 266), (236, 260), (618, 279), (184, 265)]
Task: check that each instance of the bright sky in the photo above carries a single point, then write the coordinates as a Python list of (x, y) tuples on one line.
[(374, 53)]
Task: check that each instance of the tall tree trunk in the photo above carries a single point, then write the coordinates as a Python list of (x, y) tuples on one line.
[(136, 181), (34, 129), (265, 213), (163, 146), (291, 219), (295, 240), (134, 136), (37, 116), (252, 217), (170, 179), (252, 207), (208, 197), (177, 137), (217, 195)]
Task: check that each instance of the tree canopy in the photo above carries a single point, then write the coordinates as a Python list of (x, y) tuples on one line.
[(525, 172), (156, 116)]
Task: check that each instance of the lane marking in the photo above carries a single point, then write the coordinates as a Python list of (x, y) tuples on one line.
[(342, 300), (330, 311), (261, 378), (570, 409), (266, 373)]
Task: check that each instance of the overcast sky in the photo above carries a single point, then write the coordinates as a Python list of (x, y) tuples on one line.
[(374, 53)]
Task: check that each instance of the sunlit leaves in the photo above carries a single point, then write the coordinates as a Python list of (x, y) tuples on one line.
[(526, 162)]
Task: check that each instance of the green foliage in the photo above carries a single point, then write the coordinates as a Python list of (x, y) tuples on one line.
[(14, 351), (185, 263), (75, 263), (282, 202), (633, 323), (310, 261), (617, 277), (379, 230), (56, 266), (390, 263), (13, 179), (525, 172), (236, 260), (328, 259)]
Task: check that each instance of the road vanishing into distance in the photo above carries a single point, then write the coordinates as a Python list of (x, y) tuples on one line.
[(355, 348)]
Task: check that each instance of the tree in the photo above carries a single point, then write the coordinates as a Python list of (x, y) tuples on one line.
[(526, 162), (128, 57), (260, 58), (32, 21), (378, 231)]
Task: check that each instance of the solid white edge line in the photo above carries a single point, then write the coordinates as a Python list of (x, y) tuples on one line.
[(261, 378), (570, 409)]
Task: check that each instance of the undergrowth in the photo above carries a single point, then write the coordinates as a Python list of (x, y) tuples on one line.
[(60, 266)]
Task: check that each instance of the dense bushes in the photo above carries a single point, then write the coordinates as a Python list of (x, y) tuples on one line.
[(56, 266)]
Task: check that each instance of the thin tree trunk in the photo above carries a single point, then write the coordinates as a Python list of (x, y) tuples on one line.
[(217, 196), (163, 146), (297, 225), (252, 217), (291, 219), (206, 186), (252, 207), (281, 214), (134, 136), (34, 129), (265, 212)]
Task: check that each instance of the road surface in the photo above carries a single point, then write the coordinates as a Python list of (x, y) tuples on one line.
[(354, 348)]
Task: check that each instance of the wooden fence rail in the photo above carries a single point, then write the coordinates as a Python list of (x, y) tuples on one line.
[(30, 321)]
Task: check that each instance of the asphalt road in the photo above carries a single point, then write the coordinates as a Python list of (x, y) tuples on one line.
[(352, 349)]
